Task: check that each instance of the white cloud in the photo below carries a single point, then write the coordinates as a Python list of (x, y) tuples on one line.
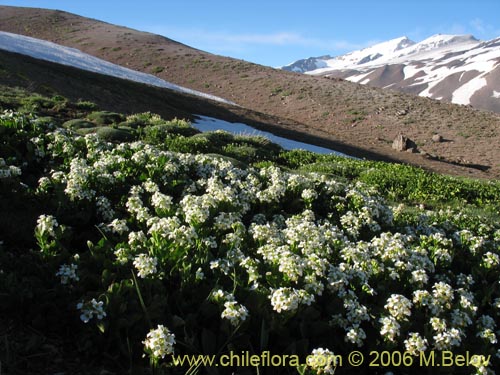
[(226, 41), (483, 29), (478, 25)]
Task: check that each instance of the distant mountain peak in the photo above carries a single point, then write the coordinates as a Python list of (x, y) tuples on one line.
[(442, 40), (456, 68), (360, 57), (391, 45)]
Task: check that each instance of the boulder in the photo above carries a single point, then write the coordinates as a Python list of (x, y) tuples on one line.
[(402, 143)]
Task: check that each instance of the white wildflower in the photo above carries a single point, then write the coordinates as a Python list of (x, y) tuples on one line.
[(145, 265), (46, 225), (415, 343), (68, 273), (118, 226), (323, 361), (159, 342), (398, 306), (390, 328), (91, 309), (234, 312)]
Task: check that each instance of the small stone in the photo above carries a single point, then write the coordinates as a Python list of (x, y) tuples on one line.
[(437, 138)]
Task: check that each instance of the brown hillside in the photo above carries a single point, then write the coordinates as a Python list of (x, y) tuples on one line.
[(367, 119), (125, 96)]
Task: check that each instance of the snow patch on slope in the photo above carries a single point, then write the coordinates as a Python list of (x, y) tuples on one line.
[(465, 92), (205, 124), (44, 50)]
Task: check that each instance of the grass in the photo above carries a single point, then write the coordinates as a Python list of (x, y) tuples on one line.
[(157, 69)]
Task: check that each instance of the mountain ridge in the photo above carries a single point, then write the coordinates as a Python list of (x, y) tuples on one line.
[(456, 68)]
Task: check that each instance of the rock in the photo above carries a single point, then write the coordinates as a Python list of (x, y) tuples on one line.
[(402, 143), (437, 138)]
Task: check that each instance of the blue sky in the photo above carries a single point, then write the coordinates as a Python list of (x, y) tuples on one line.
[(275, 33)]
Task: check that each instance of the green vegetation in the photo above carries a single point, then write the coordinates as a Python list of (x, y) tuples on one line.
[(86, 105), (157, 69), (105, 117), (78, 124), (127, 238)]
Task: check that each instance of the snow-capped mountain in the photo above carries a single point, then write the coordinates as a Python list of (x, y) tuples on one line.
[(44, 50), (366, 55), (455, 68)]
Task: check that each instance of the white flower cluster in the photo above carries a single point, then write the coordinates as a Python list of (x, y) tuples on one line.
[(8, 171), (235, 312), (104, 208), (415, 343), (91, 309), (39, 144), (390, 328), (487, 326), (46, 225), (118, 226), (146, 265), (289, 299), (322, 361), (77, 185), (159, 342), (490, 260), (398, 306), (67, 273)]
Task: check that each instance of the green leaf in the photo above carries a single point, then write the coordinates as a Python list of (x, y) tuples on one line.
[(102, 326), (301, 369)]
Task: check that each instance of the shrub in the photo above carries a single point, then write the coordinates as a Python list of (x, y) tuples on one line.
[(37, 103), (158, 134), (105, 117), (258, 141), (297, 158), (143, 119), (46, 122), (217, 138), (111, 134), (78, 124), (330, 169), (243, 153), (86, 105), (188, 144)]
